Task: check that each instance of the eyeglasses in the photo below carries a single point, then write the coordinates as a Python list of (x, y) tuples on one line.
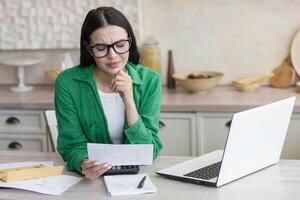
[(101, 50)]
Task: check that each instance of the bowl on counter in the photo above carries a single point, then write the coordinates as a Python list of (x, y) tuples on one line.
[(198, 81)]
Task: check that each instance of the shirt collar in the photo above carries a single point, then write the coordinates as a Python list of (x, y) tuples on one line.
[(85, 74), (132, 71)]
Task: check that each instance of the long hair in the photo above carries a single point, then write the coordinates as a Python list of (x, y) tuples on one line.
[(101, 17)]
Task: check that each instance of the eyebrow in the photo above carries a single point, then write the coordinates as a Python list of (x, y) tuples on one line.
[(96, 44)]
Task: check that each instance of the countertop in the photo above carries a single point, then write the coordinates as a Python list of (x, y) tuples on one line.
[(224, 99), (220, 99), (41, 97)]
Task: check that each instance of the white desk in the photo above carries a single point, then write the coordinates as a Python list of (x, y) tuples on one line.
[(281, 181)]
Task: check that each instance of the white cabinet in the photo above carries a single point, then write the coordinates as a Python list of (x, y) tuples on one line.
[(178, 133), (212, 131), (291, 148), (22, 130), (183, 134)]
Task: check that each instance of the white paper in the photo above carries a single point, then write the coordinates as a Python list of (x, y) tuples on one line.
[(25, 164), (121, 154), (117, 185), (54, 185)]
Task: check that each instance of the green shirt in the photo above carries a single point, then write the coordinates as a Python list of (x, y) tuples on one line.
[(81, 117)]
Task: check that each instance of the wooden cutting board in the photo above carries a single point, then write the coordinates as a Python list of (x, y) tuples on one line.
[(284, 75), (295, 53)]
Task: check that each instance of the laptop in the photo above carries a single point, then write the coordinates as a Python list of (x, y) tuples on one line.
[(254, 142)]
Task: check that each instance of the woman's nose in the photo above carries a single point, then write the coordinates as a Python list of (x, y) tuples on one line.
[(111, 53)]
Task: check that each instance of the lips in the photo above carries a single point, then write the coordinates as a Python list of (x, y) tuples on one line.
[(113, 64)]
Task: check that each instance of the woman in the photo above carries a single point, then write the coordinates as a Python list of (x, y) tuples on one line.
[(109, 97)]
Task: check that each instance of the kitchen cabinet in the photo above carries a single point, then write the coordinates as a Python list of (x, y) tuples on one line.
[(291, 148), (22, 130), (212, 131), (178, 133), (194, 123)]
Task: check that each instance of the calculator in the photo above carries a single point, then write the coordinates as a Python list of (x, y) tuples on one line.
[(123, 169)]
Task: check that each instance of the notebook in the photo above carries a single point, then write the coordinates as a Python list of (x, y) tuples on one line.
[(118, 185), (254, 142)]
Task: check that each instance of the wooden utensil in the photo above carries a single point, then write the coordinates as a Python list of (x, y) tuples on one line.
[(251, 83), (284, 75), (297, 88), (295, 53)]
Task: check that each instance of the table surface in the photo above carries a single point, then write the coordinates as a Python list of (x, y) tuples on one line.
[(280, 181)]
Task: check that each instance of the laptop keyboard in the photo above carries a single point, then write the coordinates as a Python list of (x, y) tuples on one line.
[(207, 173)]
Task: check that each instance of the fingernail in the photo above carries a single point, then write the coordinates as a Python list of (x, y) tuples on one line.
[(97, 163)]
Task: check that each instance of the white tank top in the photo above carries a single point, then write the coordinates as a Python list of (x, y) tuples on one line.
[(114, 110)]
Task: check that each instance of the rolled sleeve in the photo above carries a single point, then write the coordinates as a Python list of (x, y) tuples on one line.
[(145, 130), (71, 142)]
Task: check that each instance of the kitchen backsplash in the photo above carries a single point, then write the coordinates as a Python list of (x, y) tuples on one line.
[(52, 24), (238, 38), (49, 29)]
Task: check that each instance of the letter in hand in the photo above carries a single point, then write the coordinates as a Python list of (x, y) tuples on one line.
[(141, 183), (91, 170)]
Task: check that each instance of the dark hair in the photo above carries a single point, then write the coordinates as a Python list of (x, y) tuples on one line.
[(101, 17)]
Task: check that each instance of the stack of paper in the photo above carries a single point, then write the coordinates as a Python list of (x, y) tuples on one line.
[(54, 185), (128, 184)]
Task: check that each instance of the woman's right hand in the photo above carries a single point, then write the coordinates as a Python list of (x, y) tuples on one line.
[(91, 170)]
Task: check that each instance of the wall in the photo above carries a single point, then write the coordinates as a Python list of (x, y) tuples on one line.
[(52, 24), (237, 37), (49, 29)]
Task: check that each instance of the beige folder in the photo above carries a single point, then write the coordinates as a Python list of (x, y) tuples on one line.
[(30, 172)]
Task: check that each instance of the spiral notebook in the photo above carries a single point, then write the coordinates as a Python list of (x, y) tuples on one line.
[(118, 185)]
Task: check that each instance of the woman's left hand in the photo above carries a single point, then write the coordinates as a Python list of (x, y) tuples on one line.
[(122, 84)]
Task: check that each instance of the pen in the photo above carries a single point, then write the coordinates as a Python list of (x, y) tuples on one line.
[(141, 183)]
